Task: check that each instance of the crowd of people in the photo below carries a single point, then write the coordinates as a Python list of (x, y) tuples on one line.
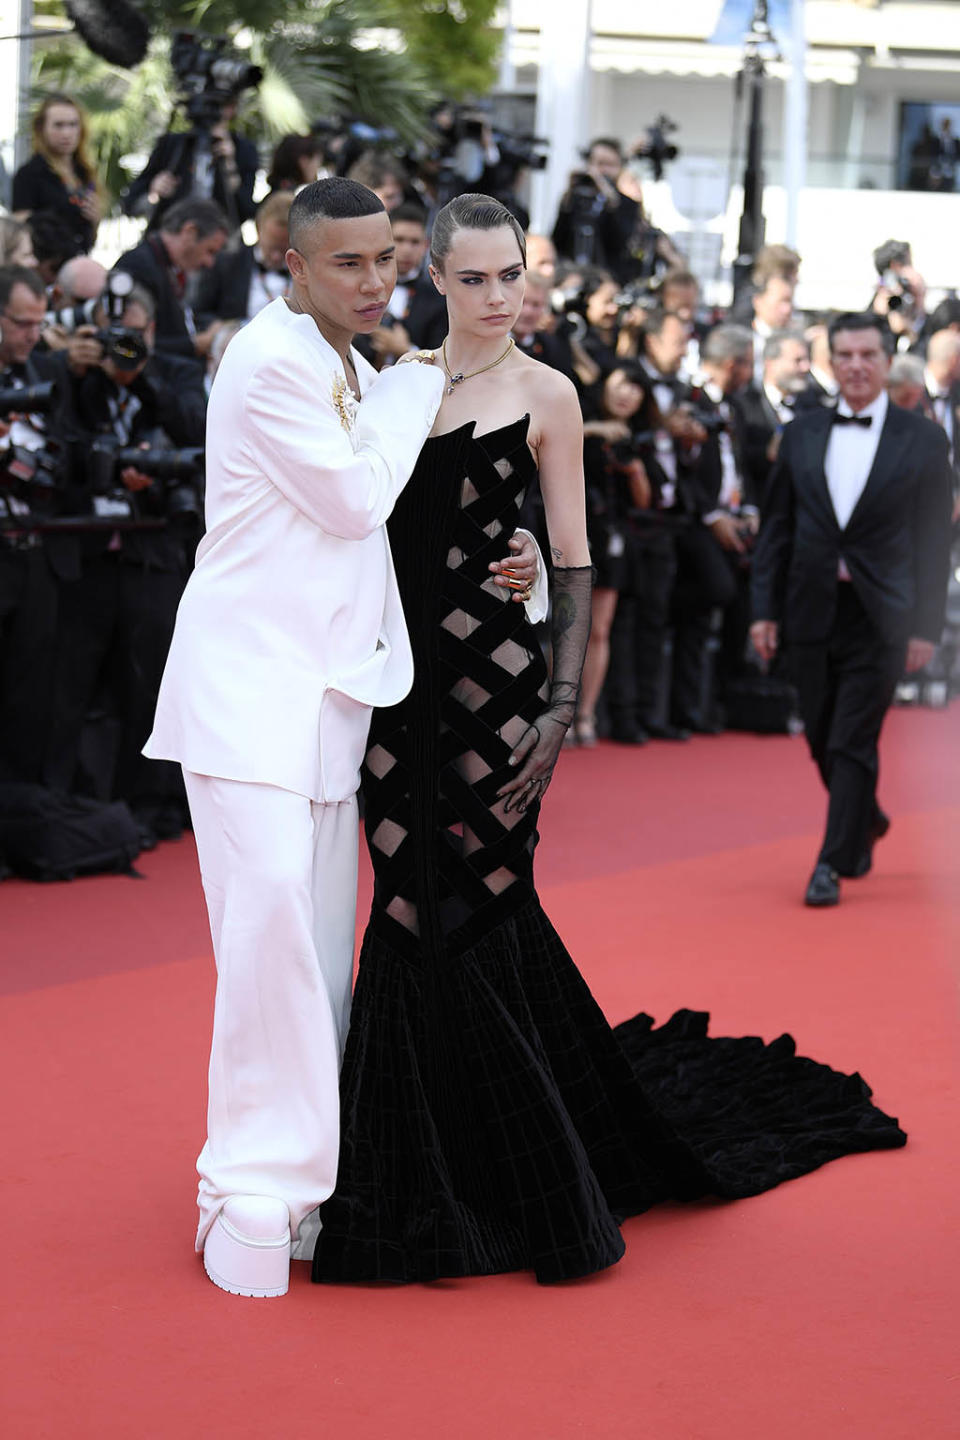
[(101, 493)]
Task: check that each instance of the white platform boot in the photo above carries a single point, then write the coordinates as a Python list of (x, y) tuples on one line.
[(247, 1249)]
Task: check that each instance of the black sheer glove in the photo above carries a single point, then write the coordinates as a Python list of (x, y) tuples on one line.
[(536, 752)]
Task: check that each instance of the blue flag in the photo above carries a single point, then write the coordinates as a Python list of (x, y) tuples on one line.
[(734, 19)]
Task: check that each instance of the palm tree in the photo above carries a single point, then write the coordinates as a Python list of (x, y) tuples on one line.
[(321, 58)]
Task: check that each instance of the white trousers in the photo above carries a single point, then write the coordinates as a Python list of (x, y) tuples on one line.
[(280, 877)]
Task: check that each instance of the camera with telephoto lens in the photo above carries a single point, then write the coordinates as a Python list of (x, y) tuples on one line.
[(900, 293), (33, 472), (624, 452), (636, 296), (176, 473), (209, 75), (125, 347)]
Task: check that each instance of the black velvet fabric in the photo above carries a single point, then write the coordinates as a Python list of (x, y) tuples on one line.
[(491, 1118)]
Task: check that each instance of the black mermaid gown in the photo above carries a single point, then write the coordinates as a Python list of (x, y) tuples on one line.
[(491, 1118)]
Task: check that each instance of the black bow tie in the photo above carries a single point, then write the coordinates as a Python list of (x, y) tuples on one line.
[(865, 420)]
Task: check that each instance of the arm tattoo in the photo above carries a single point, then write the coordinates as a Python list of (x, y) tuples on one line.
[(565, 613), (557, 554)]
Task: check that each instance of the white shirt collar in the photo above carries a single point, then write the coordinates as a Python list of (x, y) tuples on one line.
[(713, 392), (877, 410)]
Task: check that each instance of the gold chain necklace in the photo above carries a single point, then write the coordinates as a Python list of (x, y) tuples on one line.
[(459, 378)]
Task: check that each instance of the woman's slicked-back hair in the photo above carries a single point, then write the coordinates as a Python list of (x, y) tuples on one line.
[(334, 198), (471, 212)]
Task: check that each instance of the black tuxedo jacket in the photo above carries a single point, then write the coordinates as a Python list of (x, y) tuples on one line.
[(148, 265), (708, 469), (425, 320), (896, 544), (928, 408), (757, 423), (224, 292)]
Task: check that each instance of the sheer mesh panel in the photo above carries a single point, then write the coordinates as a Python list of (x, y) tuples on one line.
[(444, 847)]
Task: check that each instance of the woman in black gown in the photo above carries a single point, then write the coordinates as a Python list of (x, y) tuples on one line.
[(491, 1118)]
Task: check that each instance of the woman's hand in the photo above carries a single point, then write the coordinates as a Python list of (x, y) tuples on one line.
[(519, 572), (535, 756)]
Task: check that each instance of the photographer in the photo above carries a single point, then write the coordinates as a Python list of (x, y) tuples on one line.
[(595, 299), (117, 618), (188, 241), (713, 551), (900, 292), (74, 302), (206, 163), (632, 547), (595, 221), (28, 594)]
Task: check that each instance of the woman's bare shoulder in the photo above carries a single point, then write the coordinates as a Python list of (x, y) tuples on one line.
[(546, 385)]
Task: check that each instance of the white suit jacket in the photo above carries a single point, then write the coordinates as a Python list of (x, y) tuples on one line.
[(290, 629)]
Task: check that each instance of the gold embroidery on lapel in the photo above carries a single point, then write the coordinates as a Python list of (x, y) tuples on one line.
[(345, 402)]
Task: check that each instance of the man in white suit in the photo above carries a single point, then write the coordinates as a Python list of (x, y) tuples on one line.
[(290, 631)]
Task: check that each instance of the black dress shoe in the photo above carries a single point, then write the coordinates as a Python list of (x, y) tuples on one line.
[(698, 726), (628, 735), (824, 887), (878, 829), (668, 732)]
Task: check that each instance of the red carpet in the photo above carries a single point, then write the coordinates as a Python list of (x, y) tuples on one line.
[(826, 1308)]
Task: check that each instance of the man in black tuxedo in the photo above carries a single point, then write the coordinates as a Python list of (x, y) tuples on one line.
[(190, 237), (763, 411), (245, 280), (852, 562), (713, 550)]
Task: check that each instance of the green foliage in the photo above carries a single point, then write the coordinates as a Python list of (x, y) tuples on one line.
[(384, 60), (453, 40)]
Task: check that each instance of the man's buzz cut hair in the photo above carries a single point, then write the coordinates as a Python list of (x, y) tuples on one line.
[(334, 198)]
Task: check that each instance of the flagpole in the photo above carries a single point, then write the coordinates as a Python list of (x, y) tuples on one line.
[(752, 224)]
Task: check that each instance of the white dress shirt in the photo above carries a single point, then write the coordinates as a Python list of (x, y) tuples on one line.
[(851, 451), (730, 487)]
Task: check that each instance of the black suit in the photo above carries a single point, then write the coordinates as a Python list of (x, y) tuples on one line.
[(150, 266), (224, 291), (177, 153), (425, 317), (848, 638), (929, 407)]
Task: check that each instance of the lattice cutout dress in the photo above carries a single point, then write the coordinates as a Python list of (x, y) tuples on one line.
[(490, 1118)]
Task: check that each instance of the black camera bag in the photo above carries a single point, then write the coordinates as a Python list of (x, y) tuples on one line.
[(762, 704), (50, 835)]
